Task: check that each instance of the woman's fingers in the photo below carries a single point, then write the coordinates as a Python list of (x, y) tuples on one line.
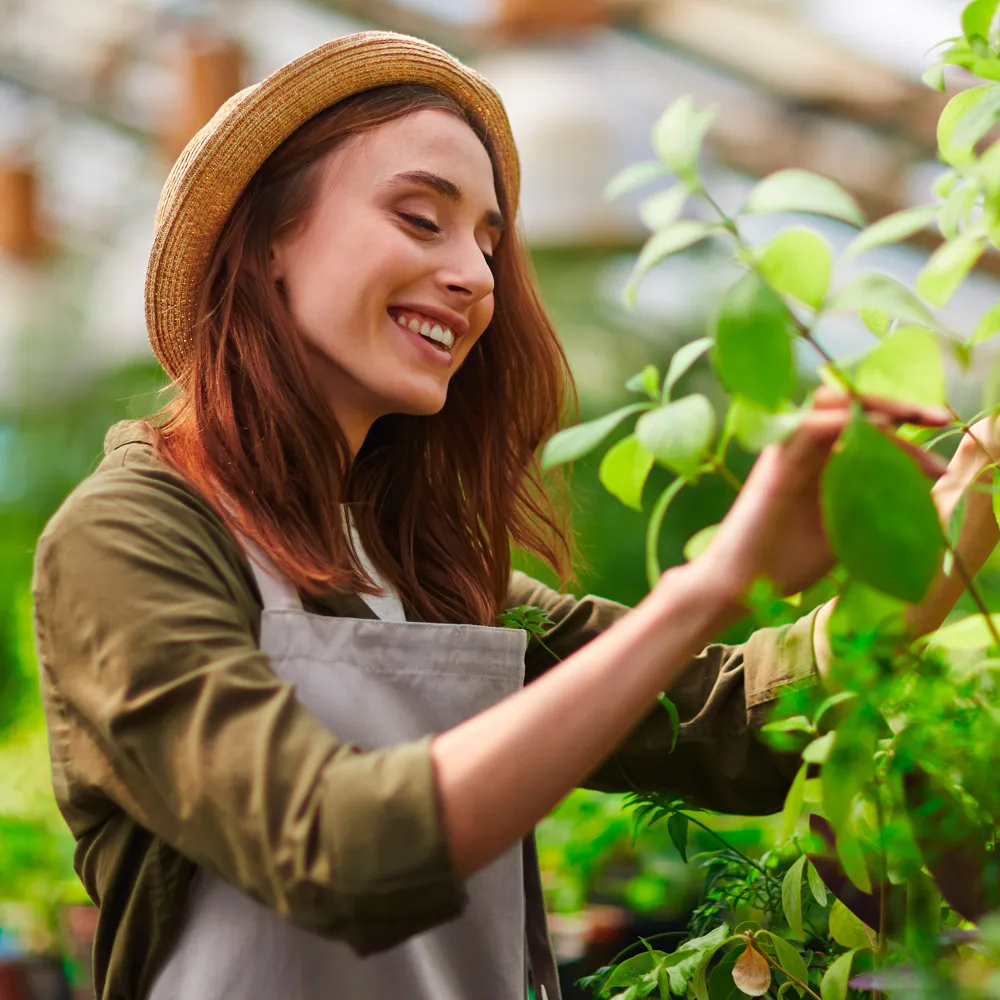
[(811, 443), (930, 464), (828, 398)]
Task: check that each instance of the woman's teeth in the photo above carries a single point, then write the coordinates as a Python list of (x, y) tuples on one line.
[(439, 334)]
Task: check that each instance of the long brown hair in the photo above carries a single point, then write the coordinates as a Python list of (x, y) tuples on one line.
[(438, 501)]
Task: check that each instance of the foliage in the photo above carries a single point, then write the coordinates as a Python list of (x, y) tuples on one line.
[(889, 885)]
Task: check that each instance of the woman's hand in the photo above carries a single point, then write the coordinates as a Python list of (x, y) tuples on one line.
[(775, 527), (973, 463)]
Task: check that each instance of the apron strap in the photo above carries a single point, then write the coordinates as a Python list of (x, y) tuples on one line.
[(276, 591), (544, 970)]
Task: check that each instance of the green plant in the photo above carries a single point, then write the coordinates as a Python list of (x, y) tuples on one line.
[(894, 876)]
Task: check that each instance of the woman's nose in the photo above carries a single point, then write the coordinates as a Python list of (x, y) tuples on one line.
[(469, 273)]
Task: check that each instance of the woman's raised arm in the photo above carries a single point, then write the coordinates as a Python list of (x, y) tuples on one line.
[(501, 771)]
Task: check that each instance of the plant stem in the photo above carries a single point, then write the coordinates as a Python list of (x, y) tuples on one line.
[(968, 430), (791, 978), (883, 917), (728, 476), (729, 847), (654, 528), (973, 590), (650, 937)]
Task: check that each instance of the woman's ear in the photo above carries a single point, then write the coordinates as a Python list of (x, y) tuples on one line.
[(277, 262)]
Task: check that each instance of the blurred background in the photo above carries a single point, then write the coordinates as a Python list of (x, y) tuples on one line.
[(98, 96)]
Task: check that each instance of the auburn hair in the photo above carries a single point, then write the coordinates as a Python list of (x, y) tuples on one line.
[(438, 501)]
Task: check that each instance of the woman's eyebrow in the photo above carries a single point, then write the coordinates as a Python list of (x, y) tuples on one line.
[(447, 189)]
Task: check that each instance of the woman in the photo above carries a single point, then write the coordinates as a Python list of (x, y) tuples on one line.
[(298, 758)]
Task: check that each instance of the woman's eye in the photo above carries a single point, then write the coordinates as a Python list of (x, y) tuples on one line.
[(420, 222)]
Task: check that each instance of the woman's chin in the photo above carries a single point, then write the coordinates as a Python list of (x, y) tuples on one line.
[(423, 398)]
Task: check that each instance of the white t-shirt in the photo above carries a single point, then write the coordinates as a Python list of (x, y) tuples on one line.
[(386, 605)]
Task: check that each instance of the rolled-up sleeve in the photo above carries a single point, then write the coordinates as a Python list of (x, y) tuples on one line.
[(146, 631), (722, 698)]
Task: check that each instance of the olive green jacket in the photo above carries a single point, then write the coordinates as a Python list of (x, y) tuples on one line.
[(173, 743)]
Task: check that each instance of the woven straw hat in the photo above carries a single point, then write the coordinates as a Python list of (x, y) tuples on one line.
[(218, 163)]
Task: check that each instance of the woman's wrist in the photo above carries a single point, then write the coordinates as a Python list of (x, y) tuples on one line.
[(697, 590)]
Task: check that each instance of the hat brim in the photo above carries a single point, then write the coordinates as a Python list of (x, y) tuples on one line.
[(219, 162)]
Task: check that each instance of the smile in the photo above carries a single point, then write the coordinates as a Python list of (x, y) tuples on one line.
[(439, 335)]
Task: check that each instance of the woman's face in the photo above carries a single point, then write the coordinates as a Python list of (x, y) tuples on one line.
[(389, 277)]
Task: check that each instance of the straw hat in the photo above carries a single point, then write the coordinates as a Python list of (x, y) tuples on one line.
[(218, 163)]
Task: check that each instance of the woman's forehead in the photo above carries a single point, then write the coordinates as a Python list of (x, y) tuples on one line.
[(431, 142)]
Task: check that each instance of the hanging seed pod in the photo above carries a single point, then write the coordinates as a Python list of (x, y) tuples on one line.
[(751, 973)]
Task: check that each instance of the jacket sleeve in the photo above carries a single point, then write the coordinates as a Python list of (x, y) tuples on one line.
[(146, 620), (722, 697)]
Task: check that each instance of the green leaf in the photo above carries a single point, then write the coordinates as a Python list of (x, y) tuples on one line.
[(885, 294), (720, 982), (846, 929), (977, 121), (923, 915), (799, 263), (989, 326), (790, 960), (945, 184), (876, 321), (634, 176), (879, 514), (664, 208), (802, 191), (675, 718), (655, 526), (996, 495), (684, 357), (679, 434), (755, 427), (624, 471), (678, 136), (662, 245), (793, 804), (954, 531), (892, 229), (816, 885), (952, 152), (575, 442), (934, 78), (907, 366), (949, 266), (864, 611), (956, 210), (634, 969), (677, 827), (818, 750), (753, 344), (834, 983), (977, 22), (849, 766), (706, 947), (832, 701), (791, 897), (967, 634), (699, 542), (647, 381), (795, 724), (852, 859)]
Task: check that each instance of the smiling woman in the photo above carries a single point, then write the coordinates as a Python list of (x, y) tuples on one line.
[(385, 206), (299, 758)]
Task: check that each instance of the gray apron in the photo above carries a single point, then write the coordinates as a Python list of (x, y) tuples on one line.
[(374, 683)]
